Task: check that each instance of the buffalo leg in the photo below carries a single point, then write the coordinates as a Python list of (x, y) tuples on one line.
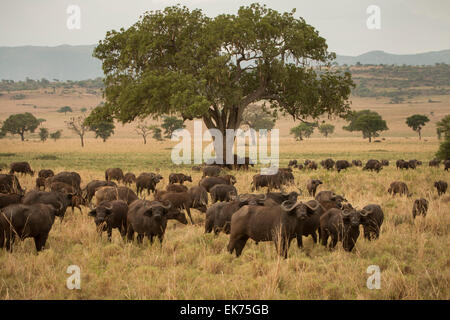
[(109, 233), (130, 233), (324, 238), (314, 236), (140, 238), (239, 245), (10, 241), (299, 241), (188, 210), (39, 241)]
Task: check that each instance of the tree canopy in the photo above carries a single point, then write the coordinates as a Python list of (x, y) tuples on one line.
[(19, 124), (257, 118), (303, 130), (103, 129), (443, 127), (417, 122), (180, 61), (55, 135), (170, 124), (65, 109), (370, 123), (326, 129), (43, 134)]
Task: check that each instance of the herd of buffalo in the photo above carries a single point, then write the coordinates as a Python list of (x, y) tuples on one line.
[(271, 216)]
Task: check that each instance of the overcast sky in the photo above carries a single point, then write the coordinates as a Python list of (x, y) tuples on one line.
[(407, 26)]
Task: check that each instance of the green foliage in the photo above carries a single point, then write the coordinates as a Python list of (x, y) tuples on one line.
[(143, 129), (19, 124), (65, 109), (19, 96), (303, 130), (30, 84), (257, 118), (326, 129), (444, 150), (368, 122), (83, 109), (416, 122), (43, 134), (181, 61), (443, 127), (55, 135), (170, 124), (157, 132), (103, 129)]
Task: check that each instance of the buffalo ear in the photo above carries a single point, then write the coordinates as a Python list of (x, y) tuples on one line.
[(92, 213)]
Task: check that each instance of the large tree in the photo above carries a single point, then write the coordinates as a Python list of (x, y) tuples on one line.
[(370, 123), (19, 124), (181, 61), (103, 129), (417, 122), (443, 127)]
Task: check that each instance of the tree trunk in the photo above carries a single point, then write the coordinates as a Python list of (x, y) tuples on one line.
[(145, 139), (22, 136), (370, 138), (420, 134), (82, 141)]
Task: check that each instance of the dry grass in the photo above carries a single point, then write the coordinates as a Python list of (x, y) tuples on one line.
[(413, 255)]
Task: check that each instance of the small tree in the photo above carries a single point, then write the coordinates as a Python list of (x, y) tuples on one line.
[(303, 130), (83, 109), (370, 123), (257, 117), (103, 129), (417, 122), (78, 125), (156, 132), (19, 124), (326, 129), (444, 150), (55, 135), (143, 129), (65, 109), (170, 124), (43, 134), (443, 127)]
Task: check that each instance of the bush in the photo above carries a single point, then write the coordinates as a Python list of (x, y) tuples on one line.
[(444, 150)]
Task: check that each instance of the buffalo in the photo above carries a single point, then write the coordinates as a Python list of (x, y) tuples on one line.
[(420, 207), (21, 167), (90, 189), (447, 165), (384, 163), (312, 186), (147, 218), (209, 182), (183, 200), (312, 224), (176, 188), (26, 221), (110, 215), (372, 221), (222, 192), (40, 183), (327, 164), (199, 196), (441, 187), (402, 164), (342, 165), (373, 165), (278, 223), (341, 225), (71, 178), (329, 199), (46, 173), (10, 198), (115, 193), (399, 187), (357, 163), (211, 171), (129, 178), (179, 178), (147, 181), (10, 184), (60, 201), (114, 174)]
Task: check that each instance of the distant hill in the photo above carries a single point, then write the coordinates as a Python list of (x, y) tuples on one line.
[(381, 57), (62, 62), (76, 62)]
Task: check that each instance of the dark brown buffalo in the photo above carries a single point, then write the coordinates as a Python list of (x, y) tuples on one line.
[(129, 178), (222, 192), (115, 193), (312, 186), (357, 163), (147, 181), (110, 215), (26, 221), (199, 196), (446, 165), (327, 164), (76, 199), (147, 218), (7, 199), (89, 191), (114, 174), (384, 163), (280, 197), (179, 178), (312, 165), (10, 184), (293, 163), (211, 171), (176, 188), (434, 163), (70, 178), (329, 199), (342, 165), (60, 201), (46, 173), (21, 167), (373, 165), (420, 207), (209, 182), (372, 221), (312, 224), (399, 187), (402, 164), (242, 163), (341, 225), (441, 187), (277, 223), (271, 181), (183, 200)]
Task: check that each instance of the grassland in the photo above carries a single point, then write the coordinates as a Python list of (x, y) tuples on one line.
[(413, 254)]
